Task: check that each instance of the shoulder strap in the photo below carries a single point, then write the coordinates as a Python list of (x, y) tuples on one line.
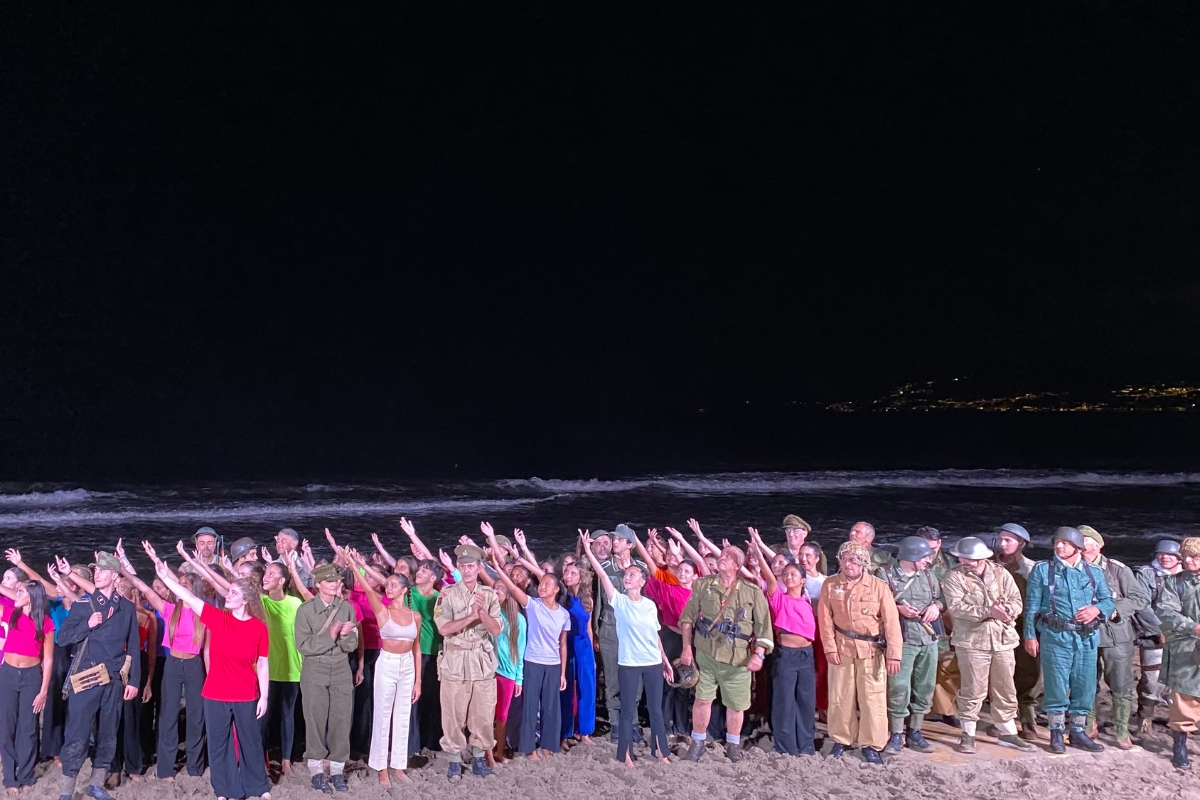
[(329, 619), (1179, 584)]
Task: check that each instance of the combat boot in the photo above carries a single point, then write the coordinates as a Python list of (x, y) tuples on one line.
[(871, 756), (1180, 757), (895, 743), (1078, 738), (1121, 711), (1029, 731), (837, 751), (966, 744), (733, 751), (917, 742), (480, 768), (1056, 742), (695, 751)]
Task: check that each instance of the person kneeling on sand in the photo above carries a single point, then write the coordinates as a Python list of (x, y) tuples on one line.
[(860, 631), (733, 627)]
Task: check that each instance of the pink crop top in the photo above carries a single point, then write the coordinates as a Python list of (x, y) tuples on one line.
[(184, 631), (22, 639)]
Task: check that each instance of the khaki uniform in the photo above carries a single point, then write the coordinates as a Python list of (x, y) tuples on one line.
[(1027, 675), (859, 684), (467, 672), (984, 645), (325, 678), (727, 625)]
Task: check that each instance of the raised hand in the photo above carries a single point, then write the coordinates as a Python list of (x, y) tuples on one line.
[(445, 559), (149, 548), (266, 555), (375, 541), (179, 549), (408, 527), (754, 534), (64, 567), (519, 536), (226, 563), (586, 538), (695, 526), (329, 538), (488, 530), (467, 540), (676, 550), (14, 556), (674, 533), (725, 543)]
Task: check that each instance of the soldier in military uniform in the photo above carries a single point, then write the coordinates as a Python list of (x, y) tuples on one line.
[(467, 614), (864, 533), (1151, 693), (1011, 540), (1179, 610), (942, 562), (241, 551), (731, 623), (1116, 634), (948, 681), (325, 632), (918, 601), (1067, 601)]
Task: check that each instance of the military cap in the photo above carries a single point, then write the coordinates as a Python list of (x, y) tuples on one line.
[(205, 531), (241, 548), (1071, 535), (1016, 530), (1091, 533), (468, 554), (1169, 546), (327, 572), (106, 561), (792, 521), (625, 532)]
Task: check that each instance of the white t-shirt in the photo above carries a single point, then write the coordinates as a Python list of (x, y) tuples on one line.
[(542, 629), (637, 631)]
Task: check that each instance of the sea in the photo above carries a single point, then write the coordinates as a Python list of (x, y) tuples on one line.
[(1131, 509)]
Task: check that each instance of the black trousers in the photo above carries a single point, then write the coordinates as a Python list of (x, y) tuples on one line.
[(128, 756), (794, 700), (429, 706), (19, 739), (278, 725), (240, 774), (652, 679), (150, 711), (54, 718), (677, 703), (541, 693), (364, 703), (97, 708), (182, 678)]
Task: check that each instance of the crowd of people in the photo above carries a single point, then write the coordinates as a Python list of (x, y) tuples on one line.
[(263, 656)]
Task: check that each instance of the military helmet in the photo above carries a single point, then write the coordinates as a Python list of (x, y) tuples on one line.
[(1016, 530), (1169, 546), (913, 548), (686, 675), (1071, 535), (973, 548), (241, 548)]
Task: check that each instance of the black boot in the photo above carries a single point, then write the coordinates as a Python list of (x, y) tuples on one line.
[(1180, 758), (695, 751), (1056, 742), (1080, 740), (895, 743)]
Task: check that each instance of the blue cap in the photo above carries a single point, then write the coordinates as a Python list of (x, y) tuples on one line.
[(1016, 530), (205, 531), (1167, 546)]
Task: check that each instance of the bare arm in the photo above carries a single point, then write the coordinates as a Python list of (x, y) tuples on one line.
[(767, 574), (642, 551), (297, 582), (14, 556), (418, 547), (605, 582), (185, 596), (697, 559), (516, 591), (381, 611), (218, 581), (384, 554)]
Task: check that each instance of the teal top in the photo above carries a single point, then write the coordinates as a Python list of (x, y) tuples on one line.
[(508, 668), (1072, 591)]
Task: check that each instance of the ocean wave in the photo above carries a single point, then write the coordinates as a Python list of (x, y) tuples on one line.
[(59, 497), (276, 512), (781, 483)]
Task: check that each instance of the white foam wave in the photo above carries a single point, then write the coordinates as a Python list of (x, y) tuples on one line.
[(282, 511), (59, 497), (801, 482)]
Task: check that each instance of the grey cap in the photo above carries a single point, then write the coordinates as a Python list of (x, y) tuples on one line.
[(1169, 546), (913, 548), (1071, 535), (972, 547), (625, 532), (205, 531), (1016, 530), (241, 548)]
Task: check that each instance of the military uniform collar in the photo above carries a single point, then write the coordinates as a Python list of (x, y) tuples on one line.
[(1079, 565)]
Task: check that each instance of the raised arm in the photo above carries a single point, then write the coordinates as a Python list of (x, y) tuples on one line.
[(517, 592), (418, 547), (127, 570), (767, 574), (643, 553), (297, 582), (705, 544), (384, 554), (381, 611), (692, 553), (185, 596), (14, 556), (65, 592), (218, 581), (519, 537), (605, 582), (80, 582)]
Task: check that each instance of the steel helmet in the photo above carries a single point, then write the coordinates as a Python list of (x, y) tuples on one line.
[(1071, 535), (913, 548), (1169, 546), (241, 548), (686, 675), (973, 548), (1016, 530)]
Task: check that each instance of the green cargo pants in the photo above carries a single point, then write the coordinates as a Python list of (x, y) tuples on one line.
[(910, 691), (328, 688)]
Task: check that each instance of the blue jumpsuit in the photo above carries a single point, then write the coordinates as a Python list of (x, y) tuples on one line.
[(581, 675), (1068, 659)]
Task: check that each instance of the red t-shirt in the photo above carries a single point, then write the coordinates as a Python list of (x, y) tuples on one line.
[(234, 649)]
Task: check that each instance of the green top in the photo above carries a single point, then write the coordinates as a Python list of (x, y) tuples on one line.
[(284, 660), (919, 590), (431, 640), (736, 620)]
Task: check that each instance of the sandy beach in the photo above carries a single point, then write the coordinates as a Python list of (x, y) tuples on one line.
[(994, 772)]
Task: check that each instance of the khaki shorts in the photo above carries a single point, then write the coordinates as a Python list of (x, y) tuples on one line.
[(734, 683)]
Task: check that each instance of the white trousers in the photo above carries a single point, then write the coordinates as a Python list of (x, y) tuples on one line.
[(393, 704)]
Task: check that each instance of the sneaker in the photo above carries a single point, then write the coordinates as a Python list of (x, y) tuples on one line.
[(838, 750), (918, 742), (1015, 740), (480, 769), (695, 751), (98, 793), (871, 756), (320, 784), (895, 743), (338, 782), (734, 752), (454, 771), (966, 744), (1029, 732)]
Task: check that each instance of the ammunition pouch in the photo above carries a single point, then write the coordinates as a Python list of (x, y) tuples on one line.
[(708, 628)]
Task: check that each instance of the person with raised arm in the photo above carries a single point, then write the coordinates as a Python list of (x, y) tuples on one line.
[(397, 678), (467, 614), (106, 628), (422, 598), (24, 680), (287, 545), (793, 671), (623, 539), (671, 589), (579, 698), (128, 758), (284, 662), (235, 689), (418, 547), (641, 657), (548, 624)]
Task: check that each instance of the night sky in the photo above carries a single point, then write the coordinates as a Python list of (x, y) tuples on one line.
[(243, 241)]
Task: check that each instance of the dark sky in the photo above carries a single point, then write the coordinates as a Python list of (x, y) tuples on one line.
[(227, 230)]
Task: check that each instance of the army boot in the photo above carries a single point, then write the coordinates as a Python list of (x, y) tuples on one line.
[(1180, 757), (1056, 742), (1078, 738), (895, 743), (1121, 709), (1029, 731), (695, 751), (966, 744)]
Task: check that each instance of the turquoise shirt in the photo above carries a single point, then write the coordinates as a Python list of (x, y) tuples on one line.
[(513, 670), (1072, 591)]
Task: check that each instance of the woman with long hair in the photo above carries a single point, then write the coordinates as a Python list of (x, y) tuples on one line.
[(284, 663), (24, 680), (397, 684), (510, 657), (579, 697), (235, 691), (811, 559)]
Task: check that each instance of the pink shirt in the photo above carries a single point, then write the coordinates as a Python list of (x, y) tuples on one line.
[(670, 600), (185, 630), (22, 639), (792, 614), (369, 629)]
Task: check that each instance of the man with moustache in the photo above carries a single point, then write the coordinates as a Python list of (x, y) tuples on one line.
[(1116, 634), (1151, 693), (205, 540), (1067, 602), (1011, 539)]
